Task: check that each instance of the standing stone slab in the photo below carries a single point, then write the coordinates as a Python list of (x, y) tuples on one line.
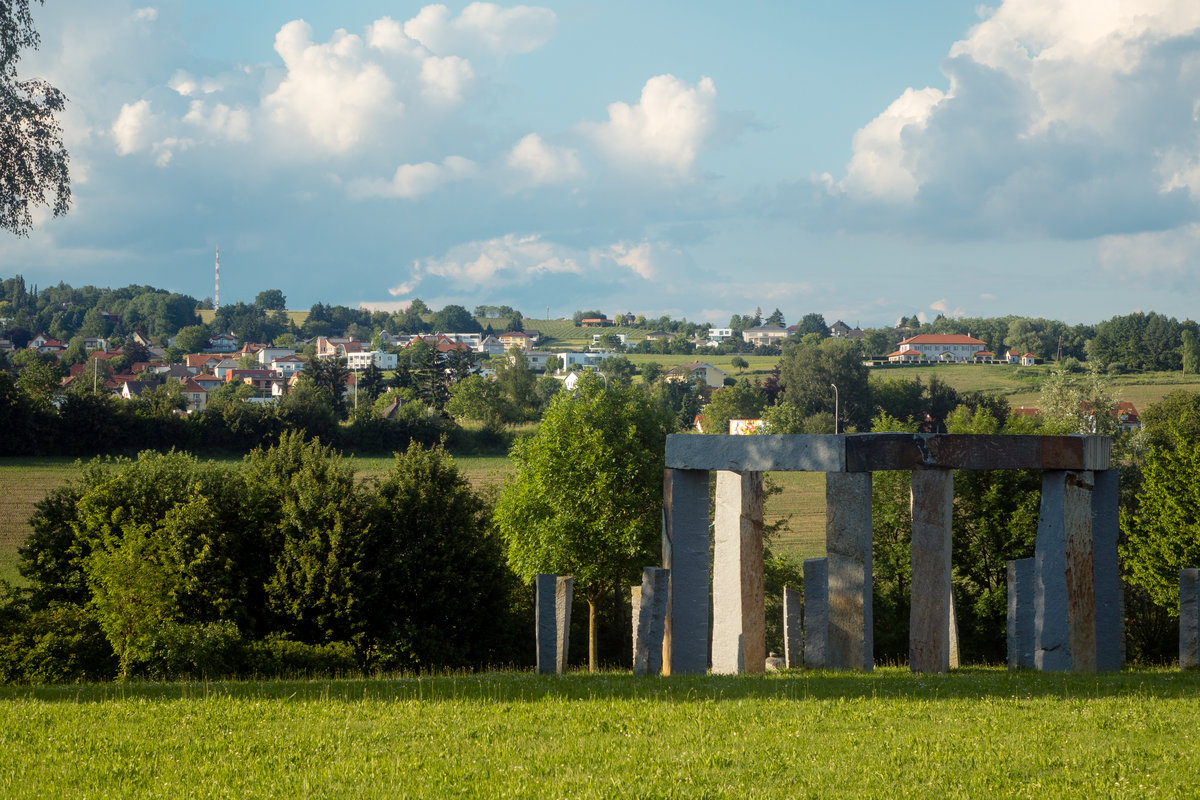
[(932, 502), (1020, 614), (1110, 600), (651, 618), (848, 545), (547, 628), (816, 612), (1189, 618), (553, 621), (953, 634), (1064, 593), (564, 593), (793, 628), (739, 624), (685, 554), (635, 602)]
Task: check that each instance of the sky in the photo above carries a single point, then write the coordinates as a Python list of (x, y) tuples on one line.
[(863, 160)]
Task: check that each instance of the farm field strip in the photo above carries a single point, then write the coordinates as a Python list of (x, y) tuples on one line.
[(973, 733)]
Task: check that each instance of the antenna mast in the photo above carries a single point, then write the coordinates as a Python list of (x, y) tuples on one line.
[(217, 292)]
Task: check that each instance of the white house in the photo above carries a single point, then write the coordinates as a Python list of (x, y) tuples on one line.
[(943, 346), (289, 365), (622, 338), (269, 353), (568, 361), (223, 343), (697, 371), (765, 335), (360, 361)]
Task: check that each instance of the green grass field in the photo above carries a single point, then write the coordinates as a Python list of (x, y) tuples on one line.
[(973, 733)]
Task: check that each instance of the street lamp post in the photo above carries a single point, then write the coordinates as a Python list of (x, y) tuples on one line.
[(835, 407)]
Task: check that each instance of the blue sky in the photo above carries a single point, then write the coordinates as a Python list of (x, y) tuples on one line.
[(864, 160)]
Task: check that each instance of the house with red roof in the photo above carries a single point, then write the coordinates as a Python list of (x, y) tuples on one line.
[(954, 347)]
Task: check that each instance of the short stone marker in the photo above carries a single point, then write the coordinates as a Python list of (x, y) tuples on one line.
[(552, 611), (793, 628), (816, 613), (650, 621), (1189, 618)]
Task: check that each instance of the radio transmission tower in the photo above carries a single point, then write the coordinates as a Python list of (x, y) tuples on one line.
[(217, 290)]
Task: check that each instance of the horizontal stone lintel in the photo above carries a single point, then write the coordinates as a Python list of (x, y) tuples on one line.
[(871, 452)]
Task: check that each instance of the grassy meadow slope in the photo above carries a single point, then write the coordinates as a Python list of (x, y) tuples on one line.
[(973, 733)]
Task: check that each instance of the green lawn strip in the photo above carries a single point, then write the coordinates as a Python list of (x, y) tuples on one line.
[(970, 734)]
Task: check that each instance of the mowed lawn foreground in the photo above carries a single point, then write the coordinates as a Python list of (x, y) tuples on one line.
[(975, 733)]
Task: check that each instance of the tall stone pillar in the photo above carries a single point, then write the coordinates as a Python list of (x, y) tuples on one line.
[(1189, 618), (932, 502), (1064, 589), (552, 613), (685, 554), (793, 628), (739, 626), (1110, 595), (816, 613), (848, 544)]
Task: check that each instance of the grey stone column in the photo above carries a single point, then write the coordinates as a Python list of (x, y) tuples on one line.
[(564, 593), (739, 625), (1064, 592), (1189, 618), (816, 613), (1020, 614), (848, 544), (793, 628), (1110, 595), (651, 621), (685, 554), (547, 628), (932, 501), (552, 614)]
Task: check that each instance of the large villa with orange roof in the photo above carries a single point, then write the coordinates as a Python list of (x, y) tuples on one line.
[(938, 347)]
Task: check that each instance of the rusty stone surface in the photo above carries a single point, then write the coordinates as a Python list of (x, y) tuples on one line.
[(892, 451), (1080, 572), (686, 555), (739, 625), (848, 547), (932, 502)]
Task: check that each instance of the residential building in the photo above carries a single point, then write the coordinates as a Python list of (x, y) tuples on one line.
[(286, 366), (381, 359), (223, 343), (700, 372), (954, 347), (764, 335)]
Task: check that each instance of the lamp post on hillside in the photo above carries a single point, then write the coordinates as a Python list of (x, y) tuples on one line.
[(835, 407)]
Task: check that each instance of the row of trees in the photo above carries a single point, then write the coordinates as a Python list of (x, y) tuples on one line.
[(190, 567)]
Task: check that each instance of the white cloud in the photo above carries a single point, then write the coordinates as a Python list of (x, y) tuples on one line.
[(147, 14), (331, 92), (133, 129), (540, 163), (220, 121), (941, 307), (445, 79), (504, 260), (387, 34), (1062, 117), (414, 180), (186, 85), (637, 258), (482, 27), (665, 130), (1170, 254), (880, 167)]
